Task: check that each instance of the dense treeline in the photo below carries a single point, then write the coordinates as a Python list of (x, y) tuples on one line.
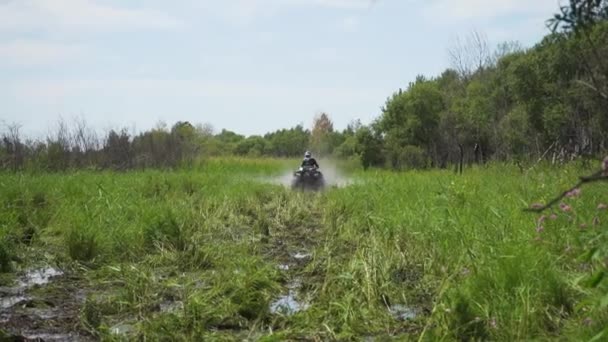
[(512, 104), (524, 104), (75, 145)]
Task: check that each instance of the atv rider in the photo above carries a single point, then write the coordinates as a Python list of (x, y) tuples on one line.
[(309, 161)]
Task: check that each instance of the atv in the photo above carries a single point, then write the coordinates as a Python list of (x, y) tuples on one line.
[(308, 178)]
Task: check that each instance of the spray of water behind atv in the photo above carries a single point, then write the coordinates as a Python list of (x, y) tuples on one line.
[(332, 176)]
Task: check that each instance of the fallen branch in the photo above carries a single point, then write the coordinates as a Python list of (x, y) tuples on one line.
[(598, 176)]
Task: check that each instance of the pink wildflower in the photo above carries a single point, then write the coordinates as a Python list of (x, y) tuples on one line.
[(536, 206), (602, 206), (542, 219), (587, 321), (553, 216), (540, 229), (564, 207), (574, 193), (583, 226), (605, 165)]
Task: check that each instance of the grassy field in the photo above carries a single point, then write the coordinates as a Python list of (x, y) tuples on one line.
[(223, 253)]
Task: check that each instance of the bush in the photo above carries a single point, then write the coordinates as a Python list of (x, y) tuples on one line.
[(409, 157), (82, 244)]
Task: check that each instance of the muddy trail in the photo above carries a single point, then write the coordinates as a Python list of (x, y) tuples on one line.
[(291, 248), (43, 305)]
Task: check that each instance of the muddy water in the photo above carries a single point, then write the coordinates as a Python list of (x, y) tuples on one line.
[(402, 312), (301, 255), (287, 305), (40, 276), (28, 311), (10, 301), (11, 296), (170, 306)]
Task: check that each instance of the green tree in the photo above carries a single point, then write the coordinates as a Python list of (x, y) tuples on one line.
[(321, 137), (369, 147)]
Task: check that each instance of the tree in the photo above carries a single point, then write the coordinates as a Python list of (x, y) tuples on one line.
[(470, 54), (12, 154), (411, 118), (369, 147), (321, 134)]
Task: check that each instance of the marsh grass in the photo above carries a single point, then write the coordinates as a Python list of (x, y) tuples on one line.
[(458, 250)]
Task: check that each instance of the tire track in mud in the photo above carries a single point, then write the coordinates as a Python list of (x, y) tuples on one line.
[(291, 248), (44, 305)]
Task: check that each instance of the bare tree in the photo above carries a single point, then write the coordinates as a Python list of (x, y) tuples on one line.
[(470, 54), (84, 142), (13, 147), (58, 146), (505, 49)]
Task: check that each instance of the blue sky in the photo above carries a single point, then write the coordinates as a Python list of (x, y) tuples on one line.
[(251, 66)]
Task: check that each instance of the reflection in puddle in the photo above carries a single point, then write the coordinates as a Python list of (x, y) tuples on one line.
[(402, 312), (301, 255), (51, 337), (169, 306), (122, 329), (46, 313), (287, 305), (9, 302), (39, 277)]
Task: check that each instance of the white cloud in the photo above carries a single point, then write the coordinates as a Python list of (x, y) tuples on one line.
[(349, 24), (53, 91), (53, 15), (38, 53), (462, 10), (244, 12), (343, 4)]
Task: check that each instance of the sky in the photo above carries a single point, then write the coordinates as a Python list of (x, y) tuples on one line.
[(251, 66)]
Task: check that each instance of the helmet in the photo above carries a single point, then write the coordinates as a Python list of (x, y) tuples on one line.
[(307, 154)]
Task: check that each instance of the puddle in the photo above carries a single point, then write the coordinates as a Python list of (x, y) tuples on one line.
[(45, 317), (295, 284), (9, 302), (171, 306), (302, 255), (402, 312), (283, 267), (51, 337), (39, 277), (46, 313), (122, 329), (287, 305)]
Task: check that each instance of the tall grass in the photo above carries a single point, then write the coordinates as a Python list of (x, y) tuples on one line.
[(457, 250)]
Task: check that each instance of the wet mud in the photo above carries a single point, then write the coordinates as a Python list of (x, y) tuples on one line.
[(42, 305)]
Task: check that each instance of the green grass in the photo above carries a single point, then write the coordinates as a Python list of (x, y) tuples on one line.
[(458, 250)]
